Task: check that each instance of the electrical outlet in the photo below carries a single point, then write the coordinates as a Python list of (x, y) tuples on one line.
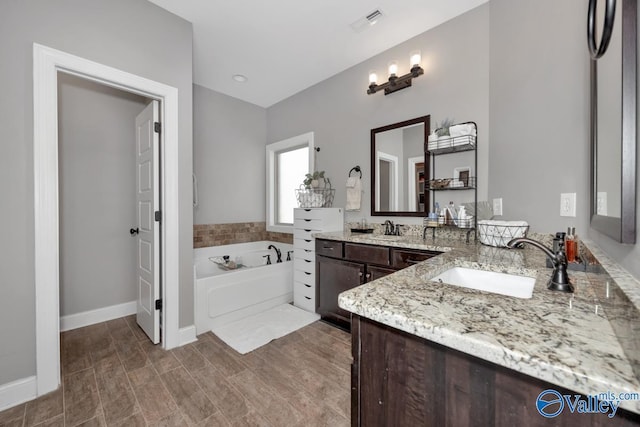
[(497, 206), (568, 204), (602, 203)]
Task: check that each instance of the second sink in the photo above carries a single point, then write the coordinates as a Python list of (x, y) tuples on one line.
[(490, 281)]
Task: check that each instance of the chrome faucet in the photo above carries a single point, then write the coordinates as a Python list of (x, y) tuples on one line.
[(388, 228), (278, 253), (559, 280)]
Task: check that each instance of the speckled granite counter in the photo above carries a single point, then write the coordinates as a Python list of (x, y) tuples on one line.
[(587, 342)]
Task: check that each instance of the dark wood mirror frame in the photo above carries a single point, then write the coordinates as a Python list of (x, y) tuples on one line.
[(621, 229), (426, 120)]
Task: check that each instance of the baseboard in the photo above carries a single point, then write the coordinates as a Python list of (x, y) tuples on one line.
[(187, 335), (79, 320), (17, 392)]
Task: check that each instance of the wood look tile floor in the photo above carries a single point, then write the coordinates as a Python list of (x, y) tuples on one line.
[(113, 376)]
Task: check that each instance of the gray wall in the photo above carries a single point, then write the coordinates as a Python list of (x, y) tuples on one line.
[(540, 117), (96, 143), (132, 35), (455, 84), (513, 67), (228, 158)]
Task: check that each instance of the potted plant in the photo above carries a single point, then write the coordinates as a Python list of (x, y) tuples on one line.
[(442, 130), (312, 180)]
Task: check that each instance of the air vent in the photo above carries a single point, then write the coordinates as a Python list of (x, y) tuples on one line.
[(374, 16), (367, 21)]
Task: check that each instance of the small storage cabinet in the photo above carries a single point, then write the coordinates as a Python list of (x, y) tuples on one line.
[(306, 222), (341, 266)]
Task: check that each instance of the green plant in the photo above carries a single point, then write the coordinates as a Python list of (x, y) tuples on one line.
[(309, 178), (442, 129)]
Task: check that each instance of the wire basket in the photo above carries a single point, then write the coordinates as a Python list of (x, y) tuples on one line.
[(499, 233), (315, 197)]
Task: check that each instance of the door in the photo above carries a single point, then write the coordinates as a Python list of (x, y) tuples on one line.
[(148, 203), (334, 276)]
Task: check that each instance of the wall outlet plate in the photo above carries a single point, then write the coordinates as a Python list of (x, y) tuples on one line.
[(568, 204), (497, 206)]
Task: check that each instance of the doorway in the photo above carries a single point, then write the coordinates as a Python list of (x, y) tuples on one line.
[(47, 63)]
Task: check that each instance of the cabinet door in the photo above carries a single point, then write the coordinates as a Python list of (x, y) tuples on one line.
[(374, 272), (332, 277)]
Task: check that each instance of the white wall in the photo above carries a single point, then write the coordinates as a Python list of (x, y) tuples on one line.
[(132, 35), (229, 158), (96, 143)]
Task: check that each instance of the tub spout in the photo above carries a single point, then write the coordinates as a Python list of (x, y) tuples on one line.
[(278, 253), (559, 280)]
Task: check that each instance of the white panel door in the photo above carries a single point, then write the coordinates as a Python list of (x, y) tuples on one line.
[(148, 202)]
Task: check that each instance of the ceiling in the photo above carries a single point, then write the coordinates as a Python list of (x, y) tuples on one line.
[(285, 46)]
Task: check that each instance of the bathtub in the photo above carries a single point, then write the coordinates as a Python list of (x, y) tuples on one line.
[(225, 296)]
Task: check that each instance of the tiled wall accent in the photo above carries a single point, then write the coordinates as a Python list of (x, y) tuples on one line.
[(205, 235)]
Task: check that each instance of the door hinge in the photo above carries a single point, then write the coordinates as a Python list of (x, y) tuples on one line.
[(158, 216), (158, 304), (157, 127)]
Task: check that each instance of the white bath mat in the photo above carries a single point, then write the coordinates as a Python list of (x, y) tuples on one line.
[(247, 334)]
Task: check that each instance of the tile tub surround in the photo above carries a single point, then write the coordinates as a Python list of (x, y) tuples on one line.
[(206, 235), (575, 341)]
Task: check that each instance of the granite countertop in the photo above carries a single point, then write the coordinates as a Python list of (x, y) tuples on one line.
[(588, 342)]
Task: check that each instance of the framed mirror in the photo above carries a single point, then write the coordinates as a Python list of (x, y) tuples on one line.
[(612, 40), (399, 165)]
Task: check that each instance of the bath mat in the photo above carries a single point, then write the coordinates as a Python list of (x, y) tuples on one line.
[(247, 334)]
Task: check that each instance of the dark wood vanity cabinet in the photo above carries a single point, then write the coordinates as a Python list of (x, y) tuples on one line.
[(398, 379), (341, 266)]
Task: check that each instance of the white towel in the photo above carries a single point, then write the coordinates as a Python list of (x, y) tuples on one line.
[(354, 193)]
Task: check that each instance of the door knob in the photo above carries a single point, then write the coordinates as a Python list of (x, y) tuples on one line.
[(134, 231)]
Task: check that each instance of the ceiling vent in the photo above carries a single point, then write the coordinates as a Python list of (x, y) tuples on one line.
[(367, 21)]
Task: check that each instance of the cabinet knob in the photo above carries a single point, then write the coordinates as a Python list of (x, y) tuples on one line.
[(359, 273), (368, 276)]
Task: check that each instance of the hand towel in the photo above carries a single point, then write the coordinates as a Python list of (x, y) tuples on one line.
[(354, 193)]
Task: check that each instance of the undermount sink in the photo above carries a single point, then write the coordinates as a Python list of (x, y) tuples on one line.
[(490, 281), (385, 237)]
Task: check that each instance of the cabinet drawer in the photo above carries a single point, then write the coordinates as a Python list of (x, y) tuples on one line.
[(304, 302), (303, 264), (329, 248), (305, 234), (401, 258), (366, 253), (306, 277), (306, 244), (304, 289), (307, 224), (308, 214)]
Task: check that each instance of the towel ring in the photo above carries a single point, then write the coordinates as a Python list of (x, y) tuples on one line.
[(357, 169), (597, 51)]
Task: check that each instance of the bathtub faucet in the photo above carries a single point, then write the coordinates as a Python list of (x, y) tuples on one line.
[(278, 253)]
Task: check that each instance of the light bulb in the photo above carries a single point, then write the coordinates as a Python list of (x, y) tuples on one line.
[(373, 78), (416, 57), (393, 68)]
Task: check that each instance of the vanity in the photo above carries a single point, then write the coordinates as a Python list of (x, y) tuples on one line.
[(429, 353)]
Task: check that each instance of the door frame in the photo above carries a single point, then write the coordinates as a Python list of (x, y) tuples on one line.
[(47, 62)]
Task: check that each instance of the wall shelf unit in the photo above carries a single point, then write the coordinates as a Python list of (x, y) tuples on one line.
[(463, 181)]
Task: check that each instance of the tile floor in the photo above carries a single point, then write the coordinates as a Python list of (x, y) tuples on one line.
[(113, 376)]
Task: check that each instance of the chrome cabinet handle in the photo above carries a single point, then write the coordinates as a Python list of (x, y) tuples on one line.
[(411, 261), (329, 248)]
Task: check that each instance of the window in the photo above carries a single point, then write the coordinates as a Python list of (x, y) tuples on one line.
[(287, 163)]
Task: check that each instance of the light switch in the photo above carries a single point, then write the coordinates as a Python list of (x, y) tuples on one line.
[(568, 204), (497, 206)]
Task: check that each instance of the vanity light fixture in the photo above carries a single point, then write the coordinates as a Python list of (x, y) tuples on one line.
[(396, 83)]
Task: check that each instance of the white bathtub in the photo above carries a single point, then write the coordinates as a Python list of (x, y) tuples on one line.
[(225, 296)]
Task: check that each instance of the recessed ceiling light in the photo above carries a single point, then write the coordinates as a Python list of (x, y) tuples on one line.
[(240, 78)]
